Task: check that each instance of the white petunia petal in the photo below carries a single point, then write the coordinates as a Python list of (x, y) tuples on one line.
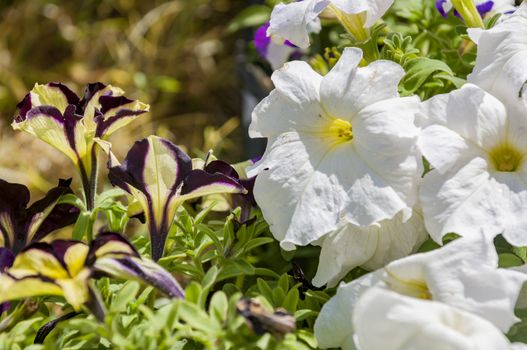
[(292, 21), (472, 113), (463, 274), (278, 55), (334, 326), (370, 247), (445, 148), (385, 142), (374, 9), (298, 82), (276, 114), (512, 187), (390, 321), (500, 49), (309, 198), (458, 201), (347, 89)]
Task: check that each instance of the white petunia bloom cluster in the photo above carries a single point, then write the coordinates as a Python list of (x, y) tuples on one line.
[(343, 170), (451, 298)]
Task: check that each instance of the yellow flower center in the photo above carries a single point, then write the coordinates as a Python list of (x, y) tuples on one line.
[(505, 158), (341, 130), (353, 23), (411, 287)]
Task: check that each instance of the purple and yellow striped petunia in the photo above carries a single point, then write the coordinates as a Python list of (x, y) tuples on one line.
[(65, 268), (20, 224), (57, 116), (160, 177)]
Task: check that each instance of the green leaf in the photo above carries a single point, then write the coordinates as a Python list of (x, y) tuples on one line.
[(278, 296), (509, 260), (283, 282), (127, 293), (106, 198), (219, 306), (234, 268), (143, 297), (83, 224), (23, 327), (193, 292), (457, 82), (307, 337), (303, 314), (521, 252), (428, 245), (198, 219), (418, 70), (212, 235), (291, 300), (252, 16), (210, 278), (518, 332), (197, 318), (72, 199), (265, 290), (261, 271)]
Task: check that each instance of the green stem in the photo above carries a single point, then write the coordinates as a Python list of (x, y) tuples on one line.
[(94, 174), (89, 185), (86, 187)]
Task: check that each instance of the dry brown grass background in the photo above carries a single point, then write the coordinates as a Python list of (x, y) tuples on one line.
[(175, 55)]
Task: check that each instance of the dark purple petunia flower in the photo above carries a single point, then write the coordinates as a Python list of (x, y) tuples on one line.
[(21, 225), (6, 260), (243, 200)]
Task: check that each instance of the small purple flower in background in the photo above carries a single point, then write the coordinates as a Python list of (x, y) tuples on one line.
[(276, 54)]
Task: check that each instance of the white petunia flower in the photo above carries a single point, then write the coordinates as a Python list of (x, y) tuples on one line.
[(370, 247), (291, 21), (334, 324), (391, 321), (462, 275), (502, 52), (341, 149), (478, 150)]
